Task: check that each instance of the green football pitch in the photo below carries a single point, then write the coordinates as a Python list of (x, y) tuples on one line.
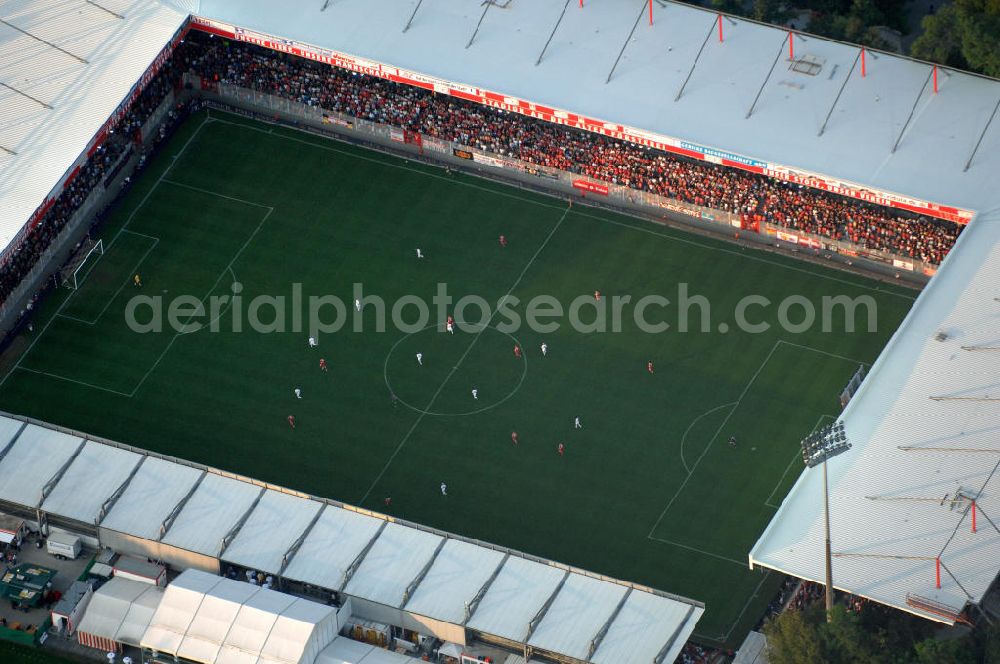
[(649, 490)]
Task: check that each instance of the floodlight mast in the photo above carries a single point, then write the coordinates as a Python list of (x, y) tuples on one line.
[(817, 447)]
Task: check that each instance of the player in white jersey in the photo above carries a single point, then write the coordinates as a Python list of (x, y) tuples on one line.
[(298, 393), (420, 359), (545, 349), (312, 342)]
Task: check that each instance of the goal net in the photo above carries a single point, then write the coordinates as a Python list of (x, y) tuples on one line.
[(81, 263)]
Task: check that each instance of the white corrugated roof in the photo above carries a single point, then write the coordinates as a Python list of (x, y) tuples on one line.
[(154, 491), (95, 474), (75, 89), (458, 572), (392, 563), (645, 624), (334, 542), (207, 517), (443, 575), (900, 538), (514, 597), (586, 604), (784, 128), (8, 429), (276, 521), (36, 456)]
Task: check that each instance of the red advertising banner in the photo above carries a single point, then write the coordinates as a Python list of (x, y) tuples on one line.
[(592, 187)]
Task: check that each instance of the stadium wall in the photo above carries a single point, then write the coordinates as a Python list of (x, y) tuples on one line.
[(145, 548), (563, 184), (390, 615)]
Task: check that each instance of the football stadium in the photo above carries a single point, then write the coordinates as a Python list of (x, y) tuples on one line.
[(381, 331)]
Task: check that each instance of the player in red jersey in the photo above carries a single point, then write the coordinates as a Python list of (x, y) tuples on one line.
[(513, 437), (561, 449), (503, 241), (291, 421), (597, 295), (517, 351), (649, 366), (322, 365)]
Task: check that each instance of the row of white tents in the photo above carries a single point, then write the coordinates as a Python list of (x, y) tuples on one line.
[(202, 617), (393, 572)]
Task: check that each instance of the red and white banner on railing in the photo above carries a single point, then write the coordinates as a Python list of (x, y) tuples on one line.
[(799, 240), (550, 114), (587, 186)]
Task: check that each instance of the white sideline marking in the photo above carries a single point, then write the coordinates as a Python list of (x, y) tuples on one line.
[(135, 210), (712, 440), (73, 380), (683, 240), (464, 355)]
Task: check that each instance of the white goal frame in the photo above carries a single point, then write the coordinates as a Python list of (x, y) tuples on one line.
[(70, 275)]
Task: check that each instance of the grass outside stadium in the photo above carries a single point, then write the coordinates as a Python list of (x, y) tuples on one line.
[(649, 490)]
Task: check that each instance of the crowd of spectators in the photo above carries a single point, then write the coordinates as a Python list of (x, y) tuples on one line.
[(752, 196), (93, 173)]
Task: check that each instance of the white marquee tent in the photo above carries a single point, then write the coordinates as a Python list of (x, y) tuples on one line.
[(214, 620), (119, 612)]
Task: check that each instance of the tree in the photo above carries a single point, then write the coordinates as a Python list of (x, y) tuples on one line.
[(792, 639), (979, 27), (952, 651), (963, 34), (730, 6), (940, 41)]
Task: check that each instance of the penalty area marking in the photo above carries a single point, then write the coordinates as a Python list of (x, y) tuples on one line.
[(228, 269), (695, 421), (482, 328), (735, 406), (123, 229), (797, 456)]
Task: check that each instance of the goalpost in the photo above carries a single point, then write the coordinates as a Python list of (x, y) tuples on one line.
[(73, 275)]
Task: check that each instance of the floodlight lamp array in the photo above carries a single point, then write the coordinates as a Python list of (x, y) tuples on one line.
[(824, 444)]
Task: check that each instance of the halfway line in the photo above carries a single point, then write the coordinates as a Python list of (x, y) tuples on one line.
[(460, 360)]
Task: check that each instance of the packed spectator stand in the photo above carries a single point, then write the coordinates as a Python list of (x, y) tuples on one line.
[(754, 197), (500, 132)]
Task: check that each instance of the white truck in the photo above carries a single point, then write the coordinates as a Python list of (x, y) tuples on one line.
[(63, 545)]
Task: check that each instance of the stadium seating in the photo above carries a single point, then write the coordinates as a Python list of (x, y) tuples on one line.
[(493, 130), (784, 204)]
